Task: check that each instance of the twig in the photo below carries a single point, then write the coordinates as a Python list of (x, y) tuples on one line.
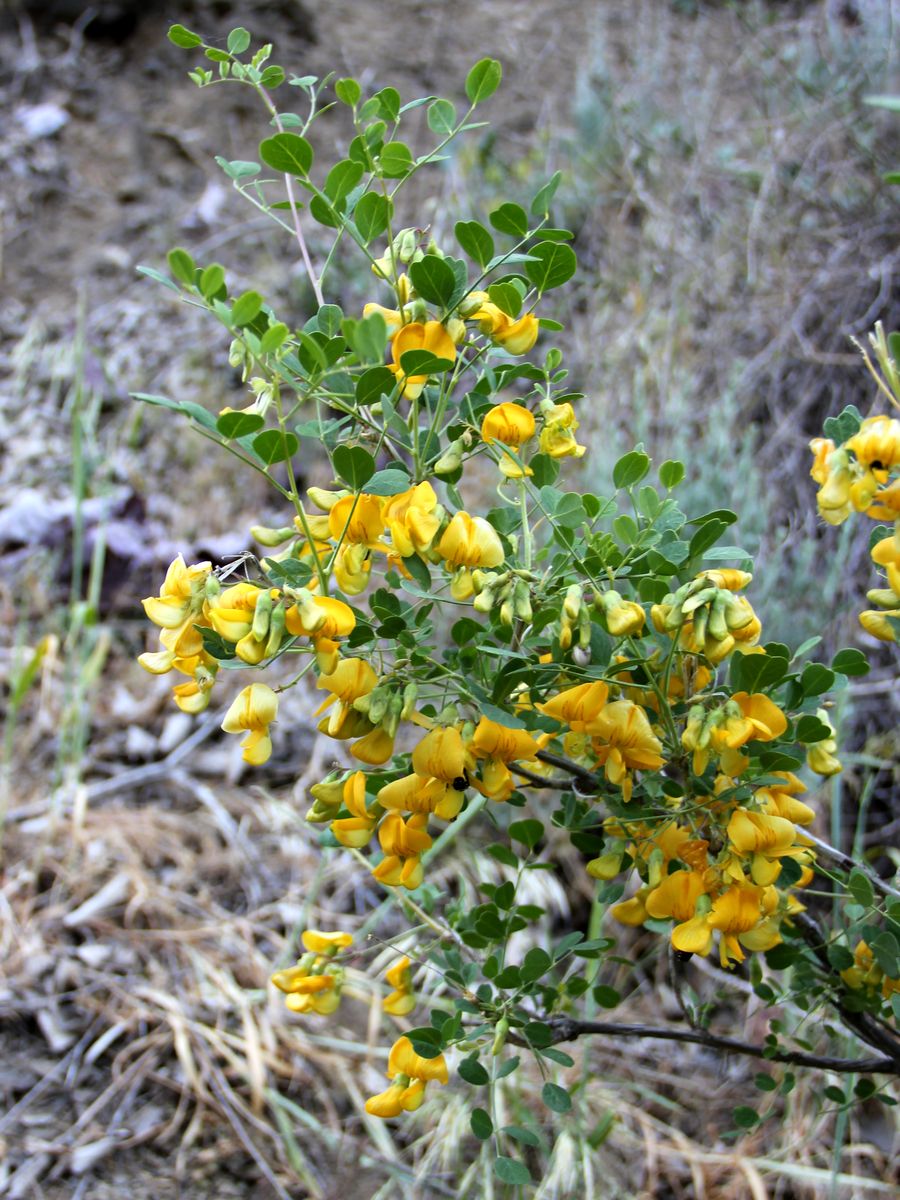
[(567, 1029), (541, 781), (582, 774), (851, 864)]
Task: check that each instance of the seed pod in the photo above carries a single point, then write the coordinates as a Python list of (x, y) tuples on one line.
[(276, 630), (261, 615)]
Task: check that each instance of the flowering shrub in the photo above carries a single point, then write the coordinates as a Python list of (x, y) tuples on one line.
[(475, 654)]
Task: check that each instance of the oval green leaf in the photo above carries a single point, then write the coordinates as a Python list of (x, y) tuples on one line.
[(287, 152)]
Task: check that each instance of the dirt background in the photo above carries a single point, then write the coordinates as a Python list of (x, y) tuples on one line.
[(148, 883)]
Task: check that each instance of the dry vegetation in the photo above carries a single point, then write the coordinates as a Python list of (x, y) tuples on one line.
[(723, 176)]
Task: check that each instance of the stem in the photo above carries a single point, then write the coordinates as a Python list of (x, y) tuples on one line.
[(295, 213)]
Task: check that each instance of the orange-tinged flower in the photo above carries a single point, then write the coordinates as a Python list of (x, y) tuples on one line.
[(676, 896), (430, 336), (253, 709), (511, 424)]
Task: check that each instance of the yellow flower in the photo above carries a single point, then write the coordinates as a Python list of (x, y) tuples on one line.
[(358, 519), (511, 424), (410, 1073), (469, 542), (351, 678), (877, 444), (326, 943), (779, 799), (253, 709), (676, 896), (822, 449), (763, 837), (431, 336), (402, 999), (623, 741), (878, 624), (182, 593), (821, 757), (419, 794), (833, 497), (632, 912), (402, 842), (499, 745), (319, 617), (413, 518), (352, 568), (515, 336), (623, 617), (314, 985), (577, 706), (441, 754), (558, 434)]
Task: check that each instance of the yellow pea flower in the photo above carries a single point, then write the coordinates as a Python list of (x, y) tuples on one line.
[(623, 741), (413, 519), (821, 757), (577, 706), (253, 710), (358, 519), (877, 444), (431, 336), (182, 593), (410, 1073), (402, 999), (441, 754), (469, 542), (511, 424), (558, 434), (676, 896)]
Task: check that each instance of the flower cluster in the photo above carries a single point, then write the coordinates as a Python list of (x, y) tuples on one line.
[(861, 475)]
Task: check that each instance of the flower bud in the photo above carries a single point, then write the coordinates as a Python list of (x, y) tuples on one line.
[(573, 600), (451, 459), (261, 614), (267, 536), (276, 631)]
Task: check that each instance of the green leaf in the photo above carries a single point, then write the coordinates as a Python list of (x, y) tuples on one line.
[(810, 729), (886, 952), (861, 889), (390, 482), (840, 957), (507, 297), (671, 473), (630, 469), (556, 264), (423, 362), (441, 116), (481, 1123), (274, 337), (510, 218), (540, 205), (212, 281), (526, 1136), (556, 1098), (840, 428), (816, 679), (348, 91), (289, 571), (238, 40), (329, 318), (529, 832), (182, 37), (537, 962), (237, 168), (606, 997), (158, 277), (483, 80), (510, 1170), (471, 1070), (388, 101), (272, 77), (354, 465), (395, 160), (273, 446), (287, 152), (765, 1083), (368, 337), (238, 424), (475, 240), (375, 383), (246, 308), (341, 180), (706, 537), (744, 1117), (371, 215), (217, 56), (850, 662), (215, 644), (182, 266), (433, 279)]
